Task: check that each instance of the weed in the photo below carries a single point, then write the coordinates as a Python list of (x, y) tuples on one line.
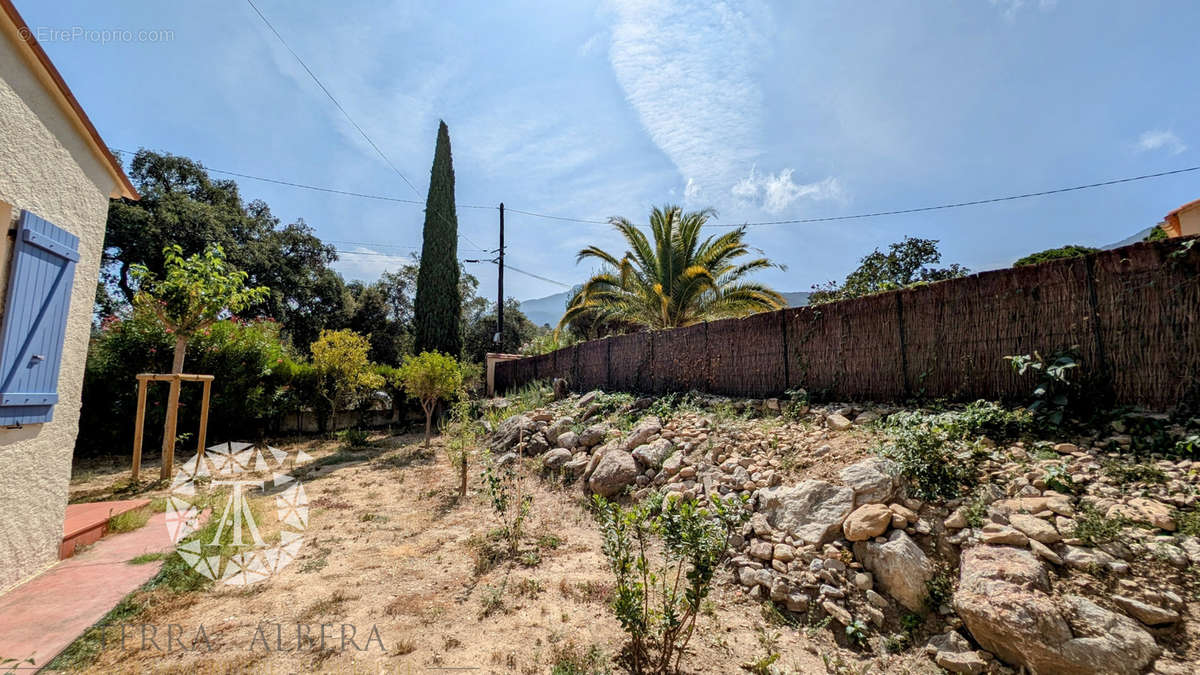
[(549, 541), (772, 615), (1059, 479), (129, 521), (926, 458), (405, 458), (404, 646), (1188, 522), (856, 633), (770, 644), (975, 511), (1124, 473), (492, 599), (568, 658), (373, 518), (530, 587), (597, 592), (147, 558), (1053, 391), (355, 438), (1094, 528), (940, 588)]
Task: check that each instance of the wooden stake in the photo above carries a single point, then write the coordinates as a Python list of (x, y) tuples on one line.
[(204, 417), (137, 430), (168, 447)]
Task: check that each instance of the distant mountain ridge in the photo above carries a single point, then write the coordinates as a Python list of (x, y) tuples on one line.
[(549, 310)]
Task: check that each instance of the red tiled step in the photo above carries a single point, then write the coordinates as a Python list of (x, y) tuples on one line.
[(85, 524)]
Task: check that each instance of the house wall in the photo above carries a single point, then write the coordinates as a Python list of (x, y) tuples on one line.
[(48, 168)]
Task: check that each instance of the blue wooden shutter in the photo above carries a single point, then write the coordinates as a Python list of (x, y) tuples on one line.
[(35, 320)]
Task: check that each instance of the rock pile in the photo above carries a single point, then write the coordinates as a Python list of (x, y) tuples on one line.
[(853, 545)]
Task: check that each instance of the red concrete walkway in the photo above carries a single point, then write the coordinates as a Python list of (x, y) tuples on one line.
[(41, 617), (84, 524)]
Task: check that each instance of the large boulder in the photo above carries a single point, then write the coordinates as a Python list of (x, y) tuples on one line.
[(555, 458), (615, 470), (642, 432), (901, 568), (868, 520), (555, 430), (812, 511), (1005, 600), (593, 435), (510, 432), (568, 440), (873, 480), (653, 454)]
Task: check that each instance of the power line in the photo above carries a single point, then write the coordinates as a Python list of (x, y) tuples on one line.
[(976, 202), (366, 137), (536, 276), (330, 95), (566, 218)]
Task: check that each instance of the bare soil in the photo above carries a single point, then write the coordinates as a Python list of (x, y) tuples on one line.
[(391, 549)]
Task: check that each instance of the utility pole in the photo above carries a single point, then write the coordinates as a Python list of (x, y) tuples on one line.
[(499, 339)]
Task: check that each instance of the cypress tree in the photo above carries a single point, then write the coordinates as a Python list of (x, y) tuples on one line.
[(437, 309)]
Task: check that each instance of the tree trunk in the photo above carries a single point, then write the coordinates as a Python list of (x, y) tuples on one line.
[(428, 421), (462, 486), (180, 352)]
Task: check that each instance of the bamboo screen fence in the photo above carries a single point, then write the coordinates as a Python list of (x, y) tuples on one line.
[(1133, 313)]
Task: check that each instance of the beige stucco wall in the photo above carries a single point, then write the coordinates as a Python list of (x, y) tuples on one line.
[(48, 168), (1189, 221)]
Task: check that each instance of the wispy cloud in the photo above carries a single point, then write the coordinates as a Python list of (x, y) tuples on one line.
[(774, 193), (1160, 139), (1010, 8), (688, 70)]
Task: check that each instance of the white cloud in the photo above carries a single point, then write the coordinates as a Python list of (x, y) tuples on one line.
[(1160, 139), (591, 44), (688, 68), (366, 264), (774, 193), (1010, 8), (692, 189)]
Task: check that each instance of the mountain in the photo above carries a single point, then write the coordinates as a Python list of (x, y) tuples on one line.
[(549, 310)]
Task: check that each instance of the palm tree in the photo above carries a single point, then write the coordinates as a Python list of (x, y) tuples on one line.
[(676, 280)]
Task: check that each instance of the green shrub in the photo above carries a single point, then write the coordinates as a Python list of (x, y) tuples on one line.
[(1094, 528), (1054, 393), (1072, 251), (658, 597), (927, 458), (253, 371)]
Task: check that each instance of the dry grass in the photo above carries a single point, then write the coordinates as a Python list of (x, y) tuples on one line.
[(409, 572)]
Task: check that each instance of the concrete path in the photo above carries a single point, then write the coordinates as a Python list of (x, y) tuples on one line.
[(45, 614)]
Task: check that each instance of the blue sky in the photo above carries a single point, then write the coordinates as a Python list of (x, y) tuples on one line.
[(762, 110)]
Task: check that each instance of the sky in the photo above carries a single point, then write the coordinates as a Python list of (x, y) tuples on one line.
[(587, 109)]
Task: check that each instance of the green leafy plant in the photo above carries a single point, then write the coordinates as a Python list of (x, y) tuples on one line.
[(926, 458), (463, 432), (510, 501), (1125, 472), (1052, 393), (355, 438), (430, 377), (857, 633), (1059, 479), (658, 597), (194, 294), (1093, 528)]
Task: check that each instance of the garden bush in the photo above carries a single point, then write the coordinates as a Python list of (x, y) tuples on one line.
[(253, 374)]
